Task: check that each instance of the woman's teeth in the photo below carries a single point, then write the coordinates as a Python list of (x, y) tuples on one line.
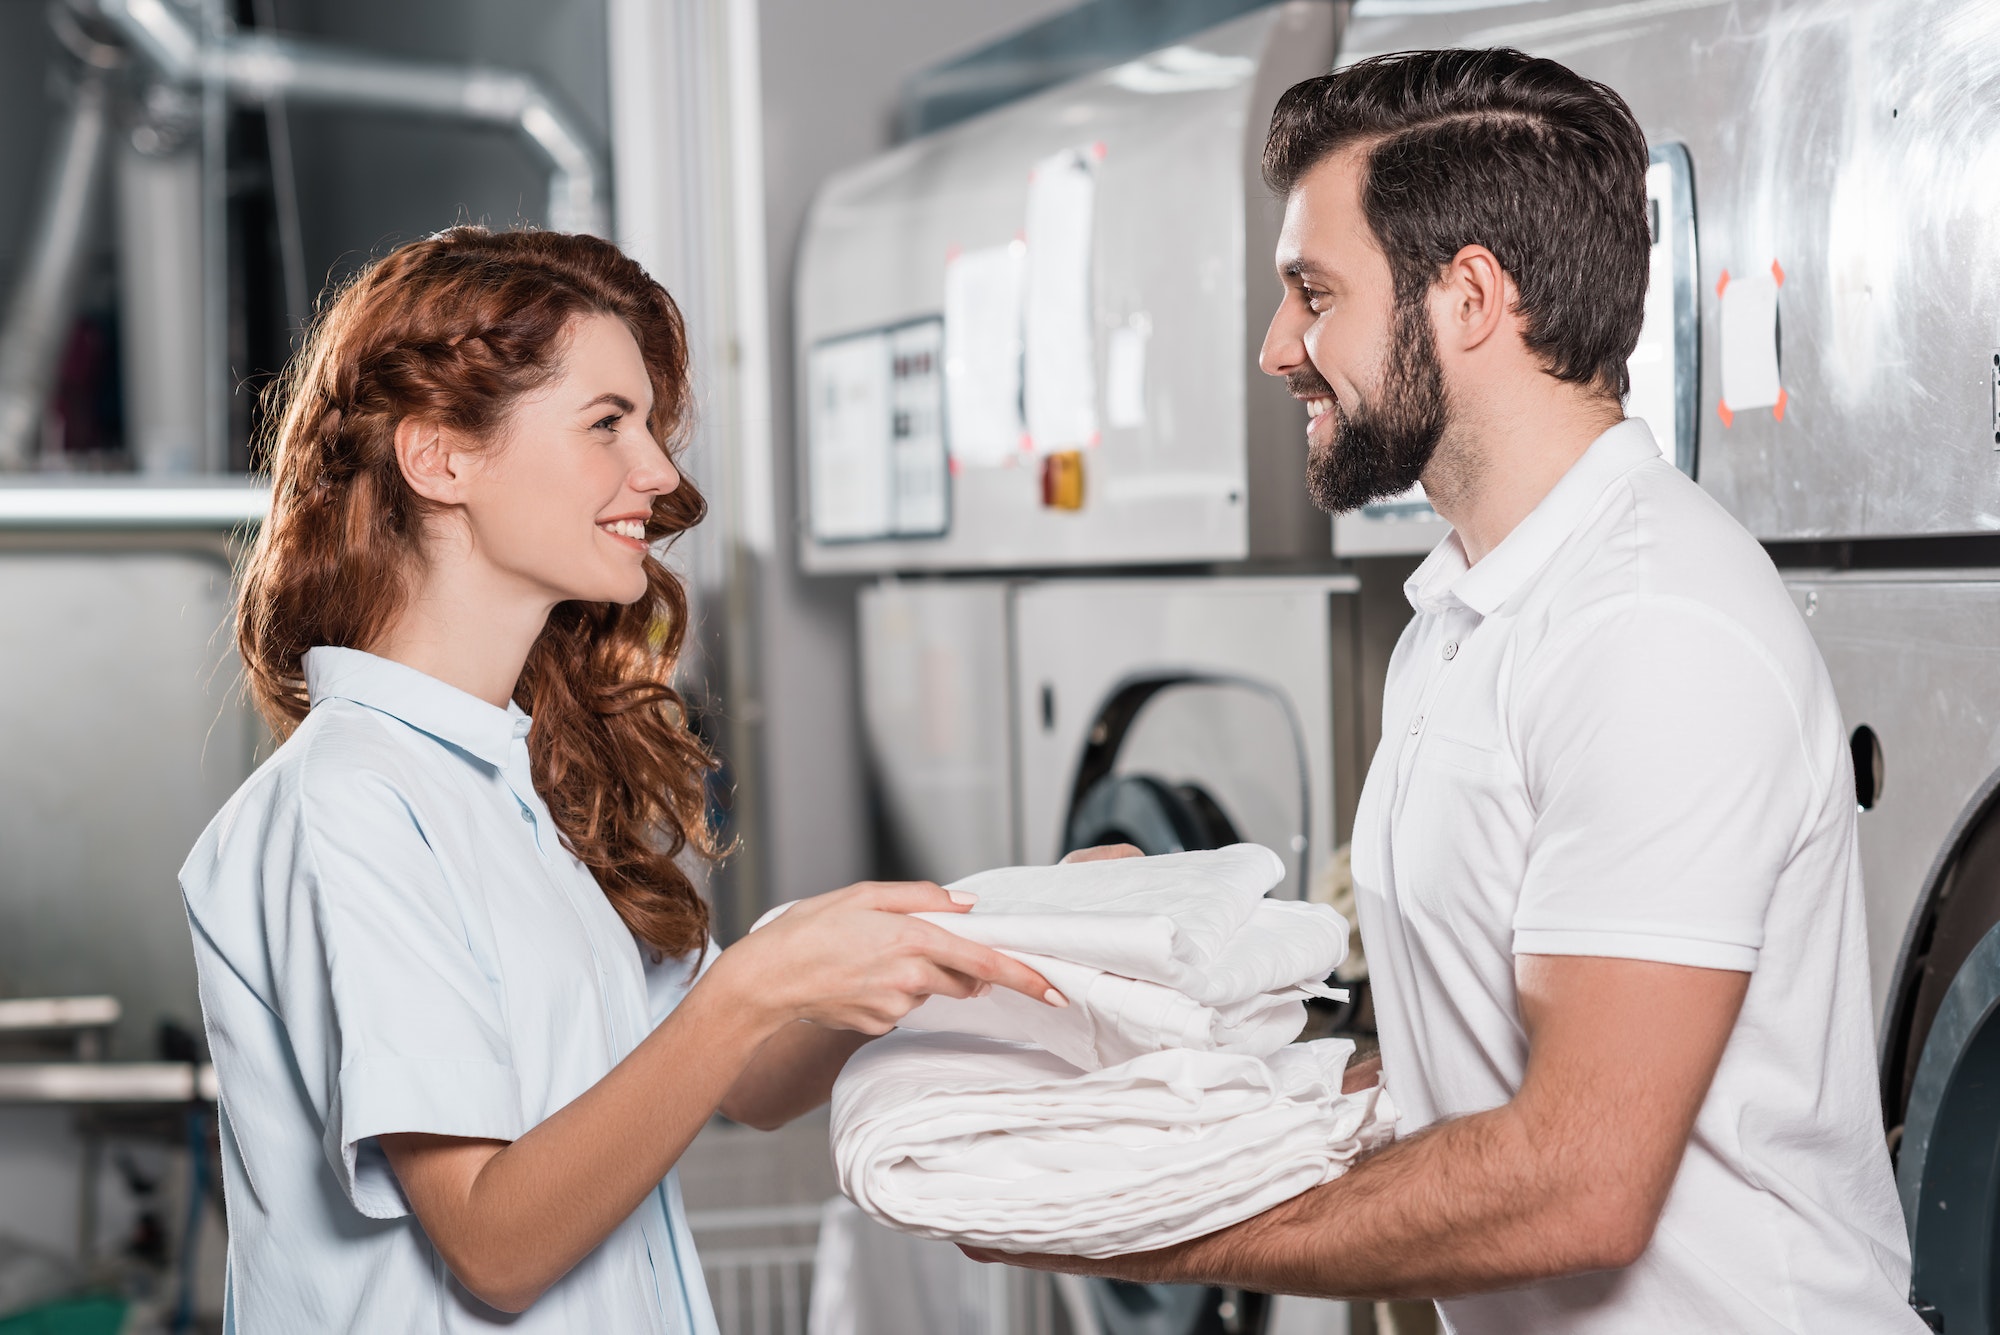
[(1317, 407), (634, 529)]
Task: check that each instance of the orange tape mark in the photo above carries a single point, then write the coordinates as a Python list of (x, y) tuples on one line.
[(1778, 409), (1722, 411), (1778, 272), (1722, 283)]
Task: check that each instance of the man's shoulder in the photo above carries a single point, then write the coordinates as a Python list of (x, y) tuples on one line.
[(1657, 545)]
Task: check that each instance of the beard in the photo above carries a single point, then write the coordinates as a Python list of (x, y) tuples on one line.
[(1376, 452)]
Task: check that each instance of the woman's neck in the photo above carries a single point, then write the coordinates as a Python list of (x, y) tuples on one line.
[(469, 626)]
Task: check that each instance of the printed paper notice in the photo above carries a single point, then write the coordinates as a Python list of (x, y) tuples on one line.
[(848, 438), (1058, 331), (1125, 374), (1750, 341), (982, 353)]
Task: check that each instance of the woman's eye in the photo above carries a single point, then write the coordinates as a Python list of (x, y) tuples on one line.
[(608, 424)]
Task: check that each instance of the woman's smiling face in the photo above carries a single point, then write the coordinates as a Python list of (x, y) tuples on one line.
[(560, 500)]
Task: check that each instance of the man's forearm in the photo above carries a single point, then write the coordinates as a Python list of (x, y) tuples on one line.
[(1463, 1207)]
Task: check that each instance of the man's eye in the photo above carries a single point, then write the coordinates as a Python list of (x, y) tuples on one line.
[(1315, 300)]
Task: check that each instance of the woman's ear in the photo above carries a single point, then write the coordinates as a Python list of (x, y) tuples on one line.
[(432, 467)]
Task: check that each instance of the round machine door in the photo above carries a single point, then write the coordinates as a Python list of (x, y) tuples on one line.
[(1943, 1076), (1174, 764), (1949, 1168)]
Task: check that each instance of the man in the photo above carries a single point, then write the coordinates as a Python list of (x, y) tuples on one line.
[(1605, 856)]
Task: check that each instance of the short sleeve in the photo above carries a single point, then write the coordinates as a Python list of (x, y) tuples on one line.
[(1669, 783), (385, 982)]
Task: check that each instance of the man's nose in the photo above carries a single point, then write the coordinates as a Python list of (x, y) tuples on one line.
[(1284, 349)]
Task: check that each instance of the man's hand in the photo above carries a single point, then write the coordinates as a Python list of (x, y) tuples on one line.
[(1103, 853), (1362, 1075), (1570, 1176)]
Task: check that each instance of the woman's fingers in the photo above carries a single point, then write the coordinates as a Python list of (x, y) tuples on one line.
[(987, 965)]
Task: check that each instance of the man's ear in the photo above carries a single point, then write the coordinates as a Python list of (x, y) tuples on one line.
[(1474, 300), (431, 465)]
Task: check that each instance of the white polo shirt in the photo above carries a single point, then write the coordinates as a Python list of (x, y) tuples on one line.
[(1613, 736), (392, 936)]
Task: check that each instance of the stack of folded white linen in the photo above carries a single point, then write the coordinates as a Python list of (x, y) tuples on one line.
[(1166, 1101)]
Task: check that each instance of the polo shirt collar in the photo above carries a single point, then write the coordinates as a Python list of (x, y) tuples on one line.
[(418, 699), (1447, 578)]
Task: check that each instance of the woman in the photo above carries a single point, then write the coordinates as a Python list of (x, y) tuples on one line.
[(458, 989)]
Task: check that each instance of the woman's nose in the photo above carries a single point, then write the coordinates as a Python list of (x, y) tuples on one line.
[(654, 472)]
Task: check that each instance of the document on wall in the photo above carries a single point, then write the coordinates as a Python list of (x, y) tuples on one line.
[(847, 426), (1750, 342), (982, 353), (875, 434), (920, 502), (1125, 373), (1059, 332)]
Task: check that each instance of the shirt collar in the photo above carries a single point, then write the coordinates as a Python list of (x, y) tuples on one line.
[(1446, 578), (483, 731)]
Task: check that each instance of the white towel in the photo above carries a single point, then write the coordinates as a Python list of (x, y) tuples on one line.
[(1002, 1145), (1176, 951)]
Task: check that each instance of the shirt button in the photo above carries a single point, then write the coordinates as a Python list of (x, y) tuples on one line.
[(527, 815), (1416, 725), (1450, 650)]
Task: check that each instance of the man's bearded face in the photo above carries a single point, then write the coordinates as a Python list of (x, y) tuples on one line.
[(1364, 452)]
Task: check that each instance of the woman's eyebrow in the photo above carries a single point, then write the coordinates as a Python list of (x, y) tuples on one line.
[(618, 401)]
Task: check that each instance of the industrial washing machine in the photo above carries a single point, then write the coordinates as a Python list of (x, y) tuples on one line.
[(1821, 351)]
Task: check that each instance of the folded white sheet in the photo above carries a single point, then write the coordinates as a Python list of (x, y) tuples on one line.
[(1176, 951), (1001, 1145)]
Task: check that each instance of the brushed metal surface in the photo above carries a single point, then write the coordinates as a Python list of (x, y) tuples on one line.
[(1917, 659), (1854, 142), (1184, 232), (935, 708)]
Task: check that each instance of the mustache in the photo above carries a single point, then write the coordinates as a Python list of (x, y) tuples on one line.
[(1308, 383)]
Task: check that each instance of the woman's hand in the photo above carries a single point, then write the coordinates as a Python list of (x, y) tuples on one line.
[(855, 959)]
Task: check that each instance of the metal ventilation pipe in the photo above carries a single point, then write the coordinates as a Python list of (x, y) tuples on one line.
[(257, 66), (38, 317)]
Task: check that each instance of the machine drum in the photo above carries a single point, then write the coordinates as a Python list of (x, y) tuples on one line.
[(1150, 814)]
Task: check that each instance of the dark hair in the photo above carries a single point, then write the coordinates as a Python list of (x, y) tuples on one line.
[(454, 329), (1543, 167)]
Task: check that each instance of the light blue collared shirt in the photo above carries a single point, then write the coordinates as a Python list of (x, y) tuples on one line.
[(392, 937)]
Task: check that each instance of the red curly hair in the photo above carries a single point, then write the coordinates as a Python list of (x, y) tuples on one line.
[(453, 330)]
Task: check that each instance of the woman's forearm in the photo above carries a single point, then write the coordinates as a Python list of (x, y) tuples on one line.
[(792, 1074), (510, 1219)]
